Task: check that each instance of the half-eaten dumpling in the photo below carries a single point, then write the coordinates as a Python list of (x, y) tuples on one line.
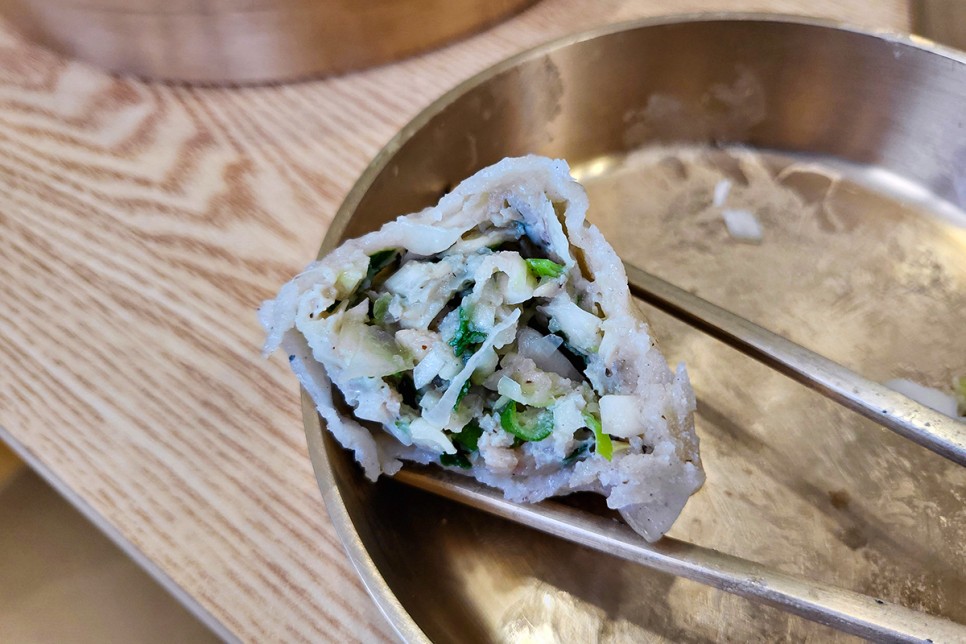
[(495, 334)]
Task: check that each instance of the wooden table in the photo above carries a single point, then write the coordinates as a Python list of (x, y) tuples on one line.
[(141, 226)]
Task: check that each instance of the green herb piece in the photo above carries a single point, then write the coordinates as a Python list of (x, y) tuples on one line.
[(469, 436), (604, 447), (517, 424), (406, 388), (401, 431), (466, 339), (454, 460), (545, 268), (378, 262), (576, 454), (463, 391), (380, 307)]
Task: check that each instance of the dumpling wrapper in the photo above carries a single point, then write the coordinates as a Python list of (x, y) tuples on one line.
[(645, 407)]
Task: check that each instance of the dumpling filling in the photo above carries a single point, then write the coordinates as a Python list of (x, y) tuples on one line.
[(494, 334)]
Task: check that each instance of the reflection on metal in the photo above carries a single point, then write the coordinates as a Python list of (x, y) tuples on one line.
[(851, 612), (935, 431)]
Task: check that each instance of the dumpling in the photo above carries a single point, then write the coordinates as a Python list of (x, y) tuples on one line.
[(494, 334)]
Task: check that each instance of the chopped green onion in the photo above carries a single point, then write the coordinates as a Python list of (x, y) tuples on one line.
[(576, 454), (406, 388), (380, 260), (380, 307), (545, 268), (377, 263), (604, 447), (466, 338), (454, 460), (462, 394), (539, 429), (402, 425), (469, 436), (401, 431)]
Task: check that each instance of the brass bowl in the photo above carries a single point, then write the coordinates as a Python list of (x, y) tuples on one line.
[(247, 41), (850, 148)]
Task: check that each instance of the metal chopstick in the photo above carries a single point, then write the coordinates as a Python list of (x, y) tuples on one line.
[(940, 433), (845, 610), (836, 607)]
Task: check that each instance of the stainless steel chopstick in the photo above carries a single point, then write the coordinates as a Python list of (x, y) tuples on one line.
[(836, 607), (937, 432), (845, 610)]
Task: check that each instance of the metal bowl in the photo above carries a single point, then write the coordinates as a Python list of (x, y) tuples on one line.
[(850, 149), (247, 41)]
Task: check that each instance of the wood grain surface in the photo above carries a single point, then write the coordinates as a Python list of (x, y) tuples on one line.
[(141, 226)]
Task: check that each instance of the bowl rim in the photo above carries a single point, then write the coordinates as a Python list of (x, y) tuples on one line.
[(389, 605)]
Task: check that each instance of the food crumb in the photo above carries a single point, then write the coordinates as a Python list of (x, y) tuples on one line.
[(721, 190), (840, 499), (853, 538), (742, 225)]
